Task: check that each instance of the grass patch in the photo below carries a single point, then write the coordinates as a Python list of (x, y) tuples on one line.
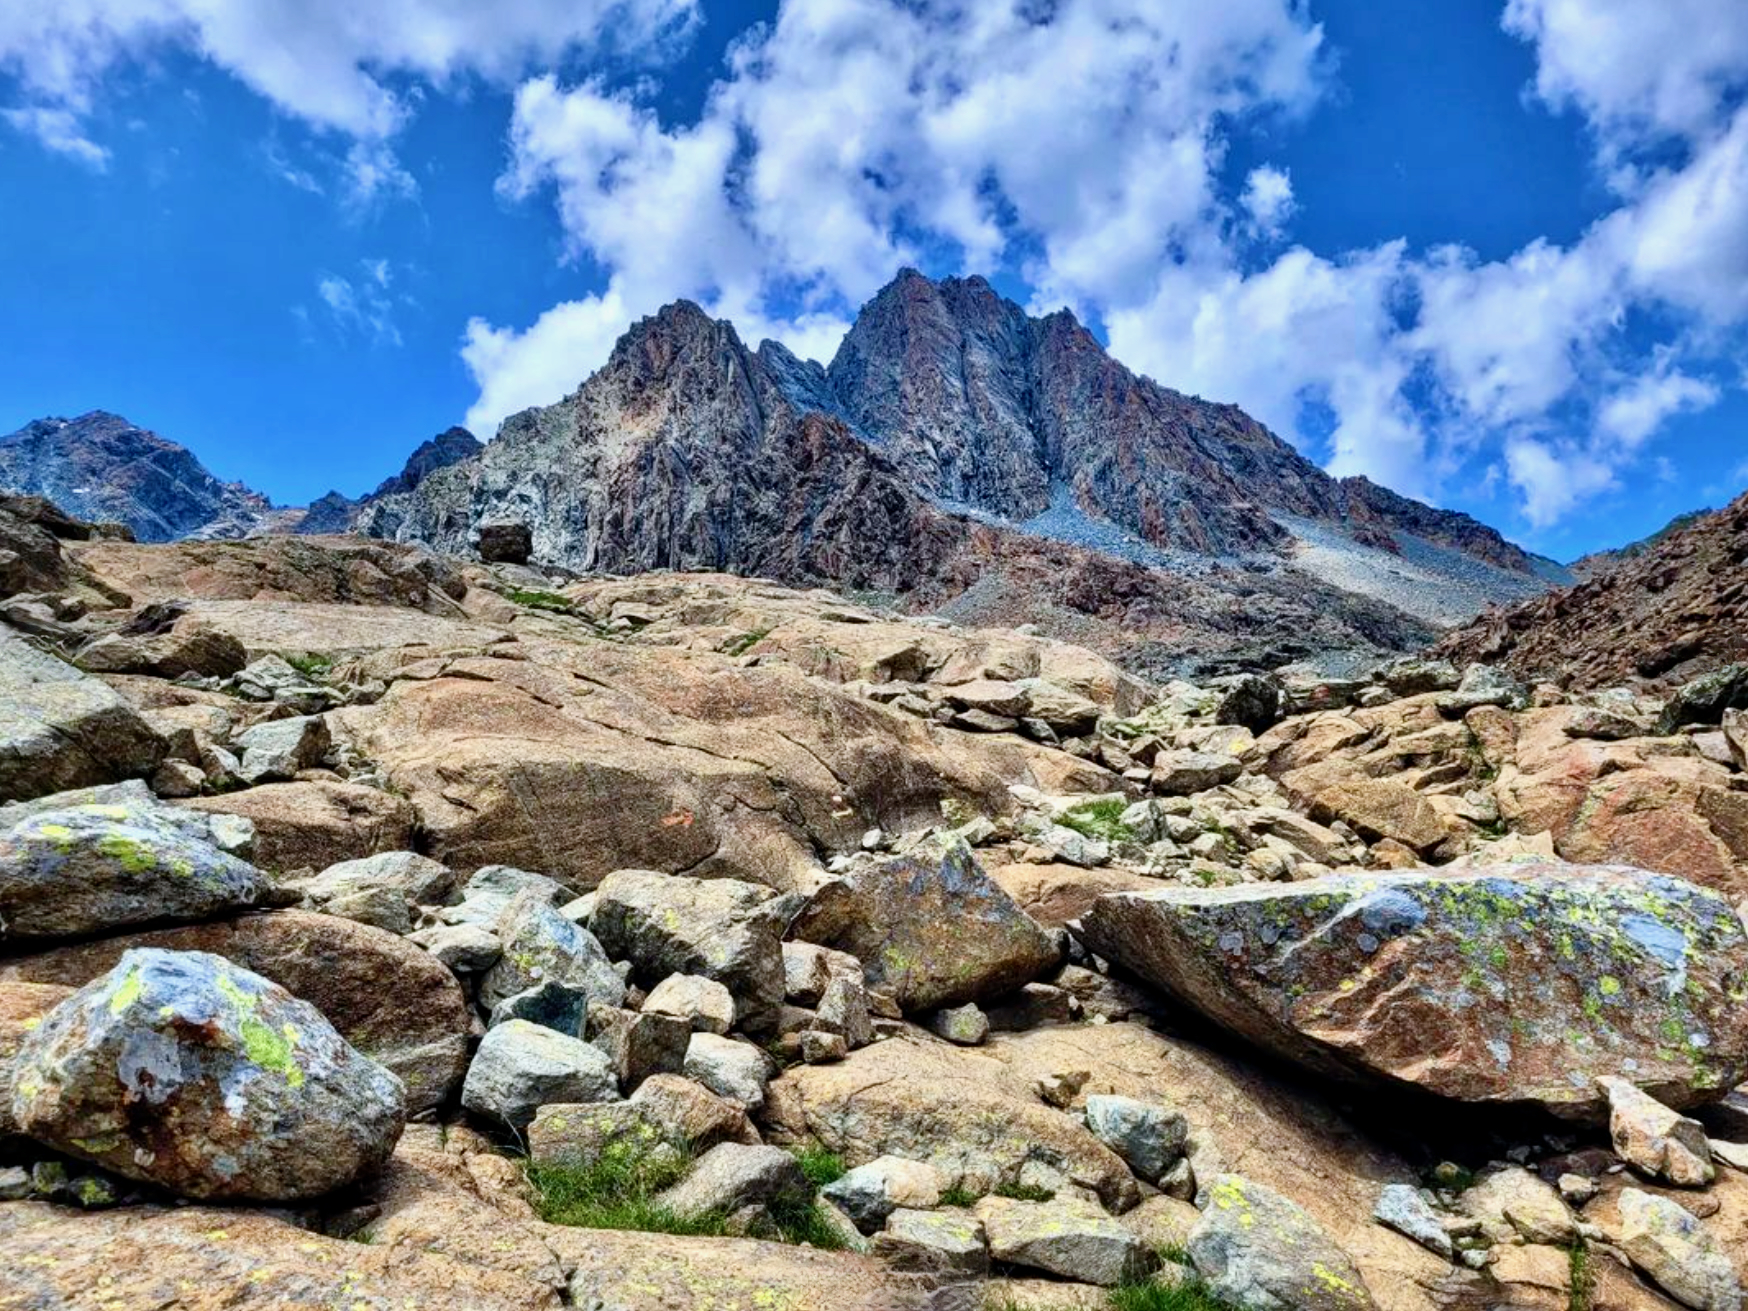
[(549, 601), (619, 1191), (1190, 1295), (1582, 1293), (745, 642), (310, 666), (1025, 1192), (959, 1195), (1102, 819), (820, 1166)]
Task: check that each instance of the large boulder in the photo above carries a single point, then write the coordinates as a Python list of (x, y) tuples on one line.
[(63, 729), (521, 1067), (395, 1003), (94, 868), (182, 1070), (722, 929), (1066, 1236), (1515, 984), (931, 927)]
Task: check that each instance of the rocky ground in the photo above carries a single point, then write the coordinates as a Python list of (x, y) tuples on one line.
[(383, 930)]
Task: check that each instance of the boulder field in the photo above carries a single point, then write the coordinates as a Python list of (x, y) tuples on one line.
[(379, 929)]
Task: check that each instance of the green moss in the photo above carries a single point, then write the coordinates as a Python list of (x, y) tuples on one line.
[(1102, 819), (552, 602), (132, 856), (272, 1050), (312, 667), (1024, 1192), (1581, 1293), (127, 992), (958, 1195), (743, 643), (821, 1167)]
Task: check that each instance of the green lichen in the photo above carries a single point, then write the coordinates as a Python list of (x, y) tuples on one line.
[(127, 992), (129, 853)]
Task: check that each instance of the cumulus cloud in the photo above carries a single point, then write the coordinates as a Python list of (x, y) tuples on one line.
[(363, 305), (325, 62), (1268, 199)]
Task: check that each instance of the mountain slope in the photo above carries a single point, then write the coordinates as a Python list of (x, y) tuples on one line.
[(337, 513), (1675, 609), (100, 467)]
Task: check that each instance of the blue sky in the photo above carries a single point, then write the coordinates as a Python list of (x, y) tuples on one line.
[(1496, 256)]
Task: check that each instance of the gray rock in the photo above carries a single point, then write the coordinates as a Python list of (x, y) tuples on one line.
[(1148, 1136), (1182, 773), (806, 972), (869, 1193), (1511, 1203), (1414, 676), (965, 1025), (539, 945), (490, 890), (521, 1067), (186, 1071), (561, 1007), (705, 1005), (417, 880), (1402, 1207), (381, 908), (1067, 1237), (1484, 685), (277, 750), (1030, 1007), (61, 728), (639, 1043), (178, 779), (577, 1134), (931, 927), (687, 1112), (1654, 1140), (15, 1183), (1675, 1251), (464, 948), (1073, 847), (732, 1175), (950, 1243), (1705, 699), (723, 929), (1251, 701), (96, 868), (736, 1070), (844, 1009), (1259, 1251)]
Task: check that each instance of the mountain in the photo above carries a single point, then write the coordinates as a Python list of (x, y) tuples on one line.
[(337, 513), (1600, 562), (102, 468), (1673, 608)]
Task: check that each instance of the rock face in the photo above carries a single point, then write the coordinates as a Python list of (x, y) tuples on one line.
[(94, 868), (1676, 1251), (934, 928), (101, 467), (394, 1003), (1675, 609), (62, 729), (183, 1070), (1516, 984)]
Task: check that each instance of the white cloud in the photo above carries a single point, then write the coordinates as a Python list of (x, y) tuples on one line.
[(363, 305), (1268, 199), (517, 369), (325, 62), (1553, 482), (59, 130), (1632, 414)]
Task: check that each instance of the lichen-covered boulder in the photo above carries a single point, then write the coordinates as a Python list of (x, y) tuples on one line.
[(1261, 1252), (183, 1070), (96, 868), (721, 929), (542, 946), (1513, 984), (936, 930)]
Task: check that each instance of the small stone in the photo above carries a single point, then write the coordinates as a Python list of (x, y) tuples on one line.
[(965, 1025), (1402, 1207), (639, 1043), (1182, 773), (1148, 1136), (1575, 1189), (14, 1183), (576, 1134), (705, 1005), (561, 1007), (1509, 1201), (1676, 1252), (821, 1048), (178, 778), (731, 1176), (690, 1113), (1061, 1088), (844, 1009), (736, 1070), (1031, 1007), (869, 1193), (277, 750), (464, 948), (1067, 1237), (1654, 1140), (950, 1243), (521, 1067)]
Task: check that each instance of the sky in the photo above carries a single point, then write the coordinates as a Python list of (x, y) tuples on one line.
[(1493, 254)]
